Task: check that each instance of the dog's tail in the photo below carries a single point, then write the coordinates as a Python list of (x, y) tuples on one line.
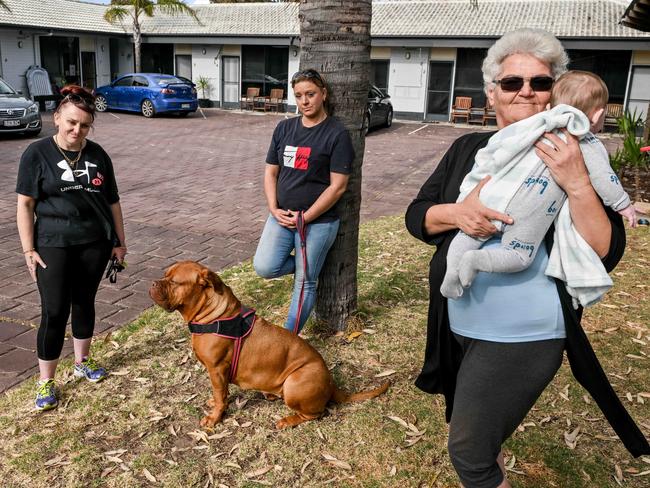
[(341, 396)]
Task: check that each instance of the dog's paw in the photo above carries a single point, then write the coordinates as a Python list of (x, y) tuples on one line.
[(209, 421)]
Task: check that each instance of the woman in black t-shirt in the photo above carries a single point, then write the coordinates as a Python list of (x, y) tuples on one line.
[(308, 166), (67, 183)]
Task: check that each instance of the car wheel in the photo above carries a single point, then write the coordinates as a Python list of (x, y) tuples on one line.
[(366, 125), (100, 103), (389, 118), (147, 108)]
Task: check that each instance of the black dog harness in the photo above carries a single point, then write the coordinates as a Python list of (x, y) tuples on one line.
[(234, 328)]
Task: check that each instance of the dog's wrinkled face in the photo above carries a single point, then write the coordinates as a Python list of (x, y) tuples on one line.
[(183, 285)]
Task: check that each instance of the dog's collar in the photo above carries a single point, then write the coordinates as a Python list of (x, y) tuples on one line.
[(230, 327)]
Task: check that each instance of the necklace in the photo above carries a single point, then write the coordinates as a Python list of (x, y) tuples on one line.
[(72, 162)]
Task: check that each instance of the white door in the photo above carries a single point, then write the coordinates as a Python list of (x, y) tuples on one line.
[(184, 65), (230, 80), (639, 96)]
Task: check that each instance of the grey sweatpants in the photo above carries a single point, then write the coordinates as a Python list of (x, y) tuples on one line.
[(497, 385), (533, 208)]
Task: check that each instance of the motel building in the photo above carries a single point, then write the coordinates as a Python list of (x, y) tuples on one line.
[(424, 53)]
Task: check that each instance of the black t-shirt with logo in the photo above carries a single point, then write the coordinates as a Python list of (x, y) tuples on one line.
[(68, 202), (306, 156)]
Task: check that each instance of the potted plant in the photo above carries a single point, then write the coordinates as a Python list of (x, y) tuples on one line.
[(203, 84), (630, 155)]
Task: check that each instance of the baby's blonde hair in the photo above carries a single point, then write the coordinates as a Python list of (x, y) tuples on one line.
[(583, 90)]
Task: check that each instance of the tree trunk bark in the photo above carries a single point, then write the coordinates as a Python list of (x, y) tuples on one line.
[(335, 40), (137, 47)]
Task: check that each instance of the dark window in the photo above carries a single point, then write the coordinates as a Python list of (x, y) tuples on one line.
[(469, 78), (140, 81), (60, 57), (611, 66), (157, 58), (126, 81), (264, 67), (379, 74)]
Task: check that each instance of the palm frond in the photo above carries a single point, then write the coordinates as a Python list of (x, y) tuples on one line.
[(116, 14), (176, 7)]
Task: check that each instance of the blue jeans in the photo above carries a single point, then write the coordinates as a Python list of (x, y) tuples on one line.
[(273, 258)]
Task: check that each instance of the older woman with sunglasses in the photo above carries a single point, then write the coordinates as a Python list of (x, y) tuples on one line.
[(307, 170), (493, 352), (67, 182)]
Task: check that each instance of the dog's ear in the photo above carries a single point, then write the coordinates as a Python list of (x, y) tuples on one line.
[(210, 278)]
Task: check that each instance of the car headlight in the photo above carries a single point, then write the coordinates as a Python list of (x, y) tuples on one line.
[(33, 109)]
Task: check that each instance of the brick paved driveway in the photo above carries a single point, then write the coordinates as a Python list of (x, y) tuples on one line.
[(191, 189)]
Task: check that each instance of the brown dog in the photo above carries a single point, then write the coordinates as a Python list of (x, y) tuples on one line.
[(272, 359)]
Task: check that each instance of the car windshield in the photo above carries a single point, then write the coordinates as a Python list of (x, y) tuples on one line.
[(166, 80), (6, 89)]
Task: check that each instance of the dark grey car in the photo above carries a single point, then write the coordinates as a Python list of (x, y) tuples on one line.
[(17, 113), (379, 111)]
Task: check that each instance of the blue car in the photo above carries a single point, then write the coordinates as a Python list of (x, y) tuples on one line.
[(147, 93)]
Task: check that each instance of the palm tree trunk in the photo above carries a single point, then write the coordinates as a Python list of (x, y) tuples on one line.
[(335, 40), (137, 47)]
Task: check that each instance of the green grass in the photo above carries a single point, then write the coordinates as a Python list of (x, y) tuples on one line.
[(107, 435)]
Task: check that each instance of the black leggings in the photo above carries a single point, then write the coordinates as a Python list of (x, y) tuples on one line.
[(70, 280), (497, 385)]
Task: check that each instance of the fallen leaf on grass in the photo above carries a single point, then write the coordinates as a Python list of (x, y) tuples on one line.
[(388, 372), (199, 435), (572, 438), (121, 372), (220, 435), (107, 471), (393, 471), (258, 472), (336, 462), (239, 403), (117, 452), (114, 459), (246, 424), (352, 336), (230, 464), (400, 421), (148, 475), (634, 356), (642, 473), (369, 331), (57, 461), (618, 474), (171, 430), (305, 466), (320, 434)]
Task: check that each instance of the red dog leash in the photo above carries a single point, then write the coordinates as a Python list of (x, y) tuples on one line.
[(301, 227)]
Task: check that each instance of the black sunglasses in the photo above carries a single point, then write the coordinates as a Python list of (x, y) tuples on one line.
[(307, 74), (114, 267), (516, 83), (73, 97)]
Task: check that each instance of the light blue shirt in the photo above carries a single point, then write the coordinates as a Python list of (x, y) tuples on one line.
[(510, 307)]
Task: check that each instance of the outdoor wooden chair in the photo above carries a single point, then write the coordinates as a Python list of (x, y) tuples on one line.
[(248, 102), (613, 112), (275, 100), (476, 115), (488, 113), (461, 109)]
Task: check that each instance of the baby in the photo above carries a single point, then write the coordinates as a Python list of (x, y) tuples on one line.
[(535, 203)]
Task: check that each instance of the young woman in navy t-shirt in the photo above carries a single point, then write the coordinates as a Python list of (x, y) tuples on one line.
[(307, 170), (70, 223)]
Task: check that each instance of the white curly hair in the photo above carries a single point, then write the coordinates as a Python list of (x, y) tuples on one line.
[(536, 42)]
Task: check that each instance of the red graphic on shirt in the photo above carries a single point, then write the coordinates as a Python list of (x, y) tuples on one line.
[(302, 158), (97, 181)]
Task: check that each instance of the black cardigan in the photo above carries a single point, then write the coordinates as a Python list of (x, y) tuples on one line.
[(442, 355)]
